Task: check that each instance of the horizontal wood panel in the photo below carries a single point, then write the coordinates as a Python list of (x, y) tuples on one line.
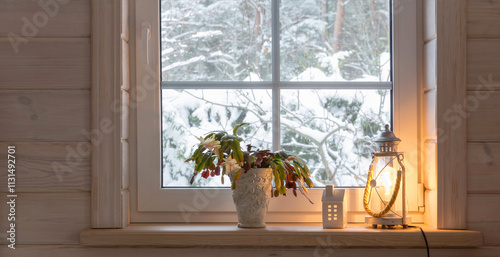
[(80, 251), (483, 18), (483, 208), (46, 64), (483, 167), (29, 115), (48, 167), (51, 18), (483, 63), (483, 121), (275, 235), (45, 78), (490, 230), (47, 218), (42, 150)]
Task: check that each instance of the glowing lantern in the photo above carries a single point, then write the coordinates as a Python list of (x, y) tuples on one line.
[(385, 195)]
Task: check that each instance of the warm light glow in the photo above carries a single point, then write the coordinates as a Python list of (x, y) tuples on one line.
[(387, 181)]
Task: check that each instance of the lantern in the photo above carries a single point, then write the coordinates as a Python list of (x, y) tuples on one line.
[(385, 193)]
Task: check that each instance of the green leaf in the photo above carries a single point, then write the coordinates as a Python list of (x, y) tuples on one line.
[(235, 129), (276, 174), (196, 153), (202, 163), (282, 175), (277, 182), (237, 153), (282, 154), (298, 168), (309, 182), (231, 138), (236, 176), (209, 135), (282, 190)]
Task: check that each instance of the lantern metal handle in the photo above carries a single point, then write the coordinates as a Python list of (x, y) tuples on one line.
[(368, 191)]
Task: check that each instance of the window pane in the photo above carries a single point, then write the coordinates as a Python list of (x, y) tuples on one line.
[(214, 40), (332, 131), (335, 40), (188, 114)]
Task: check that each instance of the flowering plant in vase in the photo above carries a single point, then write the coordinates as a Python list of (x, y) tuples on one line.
[(219, 153)]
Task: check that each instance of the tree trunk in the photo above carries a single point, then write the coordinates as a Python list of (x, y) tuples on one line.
[(339, 26), (375, 26), (324, 18)]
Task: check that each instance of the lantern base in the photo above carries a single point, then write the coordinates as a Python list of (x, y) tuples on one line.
[(387, 221)]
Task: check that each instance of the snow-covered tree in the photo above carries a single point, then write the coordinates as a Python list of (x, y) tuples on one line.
[(320, 40)]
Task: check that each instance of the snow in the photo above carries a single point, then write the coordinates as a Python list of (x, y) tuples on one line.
[(210, 33), (185, 63), (201, 41), (253, 77)]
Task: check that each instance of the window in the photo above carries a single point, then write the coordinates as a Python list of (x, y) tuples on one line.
[(308, 92)]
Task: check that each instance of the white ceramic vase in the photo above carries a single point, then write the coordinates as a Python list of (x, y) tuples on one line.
[(251, 197)]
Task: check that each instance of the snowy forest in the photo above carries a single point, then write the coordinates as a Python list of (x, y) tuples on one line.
[(320, 41)]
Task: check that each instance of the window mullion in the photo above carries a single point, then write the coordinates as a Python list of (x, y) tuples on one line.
[(276, 73)]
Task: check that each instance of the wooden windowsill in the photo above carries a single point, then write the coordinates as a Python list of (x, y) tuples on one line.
[(277, 235)]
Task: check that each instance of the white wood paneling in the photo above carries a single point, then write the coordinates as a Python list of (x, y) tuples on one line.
[(78, 251), (490, 230), (40, 19), (429, 122), (430, 178), (483, 18), (483, 167), (483, 63), (452, 142), (47, 218), (429, 67), (29, 115), (483, 121), (276, 235), (46, 64), (429, 20), (48, 167), (429, 158), (108, 209), (483, 208)]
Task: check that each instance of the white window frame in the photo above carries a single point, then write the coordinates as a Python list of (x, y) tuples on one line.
[(154, 204)]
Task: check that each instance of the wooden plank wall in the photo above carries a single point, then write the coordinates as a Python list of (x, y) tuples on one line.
[(483, 123), (45, 113)]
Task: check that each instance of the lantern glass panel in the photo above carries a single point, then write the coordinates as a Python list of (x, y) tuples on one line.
[(385, 174)]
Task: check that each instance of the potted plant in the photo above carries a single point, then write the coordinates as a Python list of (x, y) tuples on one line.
[(251, 172)]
